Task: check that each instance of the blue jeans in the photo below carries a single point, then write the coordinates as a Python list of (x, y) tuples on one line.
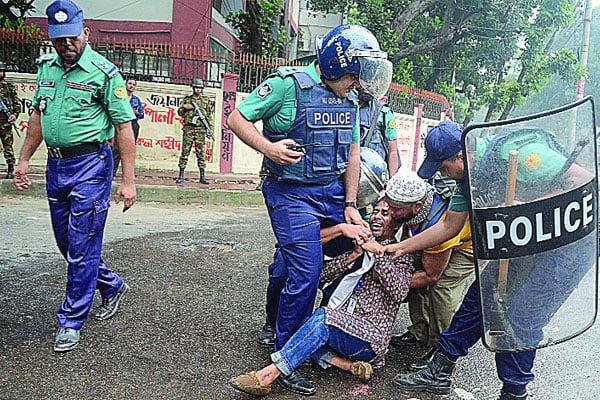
[(79, 198), (321, 342), (297, 213)]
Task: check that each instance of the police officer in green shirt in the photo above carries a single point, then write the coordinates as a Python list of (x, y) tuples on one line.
[(539, 161), (310, 140), (79, 104)]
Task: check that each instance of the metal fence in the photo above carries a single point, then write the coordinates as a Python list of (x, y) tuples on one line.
[(154, 62)]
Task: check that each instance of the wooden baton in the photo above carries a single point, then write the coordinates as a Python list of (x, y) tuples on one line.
[(511, 184)]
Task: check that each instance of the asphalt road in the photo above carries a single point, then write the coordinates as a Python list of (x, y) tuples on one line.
[(198, 277)]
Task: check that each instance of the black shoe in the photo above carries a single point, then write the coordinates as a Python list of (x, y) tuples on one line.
[(296, 383), (9, 171), (423, 362), (435, 378), (512, 396), (406, 339), (203, 179), (180, 178), (266, 337)]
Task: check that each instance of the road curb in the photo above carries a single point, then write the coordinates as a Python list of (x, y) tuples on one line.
[(157, 193)]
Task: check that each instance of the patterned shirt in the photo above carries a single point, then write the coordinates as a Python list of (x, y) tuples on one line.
[(383, 288)]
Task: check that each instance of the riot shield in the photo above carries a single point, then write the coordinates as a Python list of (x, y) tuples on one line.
[(533, 196)]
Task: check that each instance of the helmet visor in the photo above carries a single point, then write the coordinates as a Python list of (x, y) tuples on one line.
[(375, 75)]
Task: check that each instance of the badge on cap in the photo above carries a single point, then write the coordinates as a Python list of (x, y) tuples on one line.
[(532, 161), (120, 92), (61, 16)]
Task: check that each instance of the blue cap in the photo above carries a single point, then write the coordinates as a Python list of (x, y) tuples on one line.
[(65, 19), (441, 143)]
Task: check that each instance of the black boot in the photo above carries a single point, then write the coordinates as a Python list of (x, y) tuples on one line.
[(423, 362), (180, 179), (202, 179), (9, 172), (511, 396), (266, 337), (433, 379)]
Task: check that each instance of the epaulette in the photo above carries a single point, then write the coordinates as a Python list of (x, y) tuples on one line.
[(45, 57), (286, 71), (109, 69)]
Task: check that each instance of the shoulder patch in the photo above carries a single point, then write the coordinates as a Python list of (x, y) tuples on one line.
[(264, 90), (532, 161), (44, 58), (109, 69), (392, 123), (120, 92)]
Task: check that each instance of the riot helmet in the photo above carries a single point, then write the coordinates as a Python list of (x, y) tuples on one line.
[(352, 49), (373, 177), (197, 83)]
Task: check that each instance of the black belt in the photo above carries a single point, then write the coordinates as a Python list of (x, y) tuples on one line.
[(74, 151)]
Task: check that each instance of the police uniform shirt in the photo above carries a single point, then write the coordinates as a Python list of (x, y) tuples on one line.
[(274, 102), (82, 104), (537, 161)]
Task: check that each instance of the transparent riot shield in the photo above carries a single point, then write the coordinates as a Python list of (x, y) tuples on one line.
[(533, 194)]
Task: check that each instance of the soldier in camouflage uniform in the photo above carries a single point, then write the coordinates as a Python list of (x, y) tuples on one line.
[(193, 133), (8, 94)]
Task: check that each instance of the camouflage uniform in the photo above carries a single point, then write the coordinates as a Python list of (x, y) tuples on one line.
[(193, 133), (8, 94)]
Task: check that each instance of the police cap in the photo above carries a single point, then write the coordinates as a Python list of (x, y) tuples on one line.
[(197, 83)]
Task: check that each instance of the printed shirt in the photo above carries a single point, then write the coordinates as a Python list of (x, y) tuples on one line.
[(188, 115), (72, 105), (383, 288), (135, 102), (274, 102), (8, 94)]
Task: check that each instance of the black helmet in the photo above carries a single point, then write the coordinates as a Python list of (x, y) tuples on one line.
[(197, 83)]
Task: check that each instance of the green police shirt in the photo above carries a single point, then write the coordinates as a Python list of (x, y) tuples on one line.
[(82, 104), (277, 107), (537, 161), (390, 123)]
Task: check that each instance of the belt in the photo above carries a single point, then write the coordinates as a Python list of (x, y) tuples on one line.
[(74, 151)]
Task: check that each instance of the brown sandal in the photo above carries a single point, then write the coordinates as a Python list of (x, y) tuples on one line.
[(362, 370), (250, 383)]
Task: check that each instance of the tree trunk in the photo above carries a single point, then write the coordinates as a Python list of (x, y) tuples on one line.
[(253, 8)]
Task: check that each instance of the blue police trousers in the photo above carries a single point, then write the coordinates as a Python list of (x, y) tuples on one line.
[(297, 212), (79, 197), (514, 369)]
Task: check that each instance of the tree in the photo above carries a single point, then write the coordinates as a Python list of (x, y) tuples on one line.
[(22, 6), (258, 27), (476, 52)]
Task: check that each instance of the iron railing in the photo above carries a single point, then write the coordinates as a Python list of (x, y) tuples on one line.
[(166, 63)]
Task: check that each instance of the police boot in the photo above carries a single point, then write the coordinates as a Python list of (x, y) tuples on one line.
[(435, 378), (180, 179), (9, 172), (512, 396), (202, 179)]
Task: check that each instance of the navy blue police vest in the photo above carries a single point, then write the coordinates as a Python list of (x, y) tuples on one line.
[(324, 122)]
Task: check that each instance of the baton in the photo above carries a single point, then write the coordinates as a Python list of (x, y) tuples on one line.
[(511, 185)]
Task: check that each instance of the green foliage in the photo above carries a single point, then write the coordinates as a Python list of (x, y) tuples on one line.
[(258, 27)]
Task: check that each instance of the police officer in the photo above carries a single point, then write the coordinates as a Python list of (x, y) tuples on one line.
[(381, 136), (444, 153), (79, 103), (194, 130), (8, 95), (308, 107)]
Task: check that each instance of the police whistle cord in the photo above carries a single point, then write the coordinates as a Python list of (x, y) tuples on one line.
[(496, 328), (198, 115), (8, 114)]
